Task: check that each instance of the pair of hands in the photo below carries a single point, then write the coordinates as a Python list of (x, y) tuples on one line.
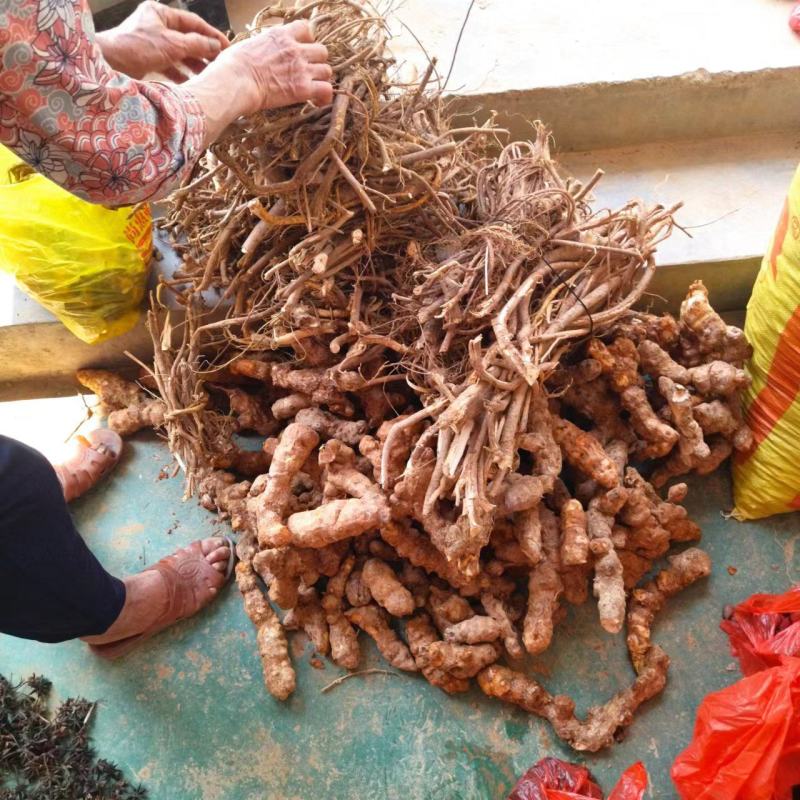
[(278, 67)]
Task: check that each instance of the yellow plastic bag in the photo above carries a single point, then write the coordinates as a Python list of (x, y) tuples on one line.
[(767, 479), (85, 264)]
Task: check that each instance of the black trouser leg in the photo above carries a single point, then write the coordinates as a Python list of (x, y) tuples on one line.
[(52, 588)]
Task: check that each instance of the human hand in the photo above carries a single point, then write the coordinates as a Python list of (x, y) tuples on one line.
[(157, 38), (279, 67)]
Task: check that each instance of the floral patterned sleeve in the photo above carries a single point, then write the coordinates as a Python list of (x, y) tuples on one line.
[(101, 135)]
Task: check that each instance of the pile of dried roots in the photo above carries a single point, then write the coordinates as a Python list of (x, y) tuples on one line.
[(464, 421)]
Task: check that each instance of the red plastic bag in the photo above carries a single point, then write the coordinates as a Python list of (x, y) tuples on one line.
[(746, 743), (553, 779), (631, 786), (764, 628), (552, 773), (794, 19)]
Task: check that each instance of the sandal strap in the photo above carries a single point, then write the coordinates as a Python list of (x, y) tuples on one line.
[(184, 597), (186, 594), (94, 460)]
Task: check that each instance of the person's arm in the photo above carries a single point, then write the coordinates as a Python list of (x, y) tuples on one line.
[(114, 140), (279, 67), (157, 38)]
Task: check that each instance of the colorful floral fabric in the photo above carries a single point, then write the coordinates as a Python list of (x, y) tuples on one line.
[(100, 134)]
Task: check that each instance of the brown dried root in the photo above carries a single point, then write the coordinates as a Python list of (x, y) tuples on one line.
[(280, 568), (713, 337), (475, 630), (309, 616), (421, 634), (388, 591), (417, 582), (343, 638), (528, 533), (496, 609), (220, 491), (574, 536), (595, 401), (603, 724), (394, 460), (544, 589), (576, 584), (459, 660), (252, 368), (418, 549), (287, 407), (609, 589), (586, 454), (374, 263), (112, 391), (654, 522), (147, 414), (724, 418), (691, 446), (721, 450), (279, 675), (447, 608), (620, 362), (718, 379), (634, 567), (333, 522), (356, 590), (372, 620), (314, 382), (250, 412), (294, 447), (523, 492), (684, 569), (250, 463), (693, 452), (658, 363), (329, 426)]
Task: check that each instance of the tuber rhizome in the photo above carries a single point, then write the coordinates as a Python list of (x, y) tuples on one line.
[(466, 424)]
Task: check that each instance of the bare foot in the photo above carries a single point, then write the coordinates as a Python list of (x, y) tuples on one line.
[(149, 596), (96, 454)]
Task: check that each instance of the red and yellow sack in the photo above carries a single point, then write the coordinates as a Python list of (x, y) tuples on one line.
[(767, 478)]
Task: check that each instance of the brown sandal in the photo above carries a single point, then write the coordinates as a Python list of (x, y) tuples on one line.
[(98, 454), (186, 595)]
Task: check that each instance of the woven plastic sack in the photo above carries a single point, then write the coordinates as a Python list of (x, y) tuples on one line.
[(84, 263), (767, 479)]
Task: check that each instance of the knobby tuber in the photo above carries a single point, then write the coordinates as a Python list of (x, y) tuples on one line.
[(474, 630), (421, 634), (372, 620), (603, 724), (454, 323), (279, 675), (459, 660), (684, 569), (386, 588)]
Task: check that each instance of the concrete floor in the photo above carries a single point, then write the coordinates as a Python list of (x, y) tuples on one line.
[(189, 716)]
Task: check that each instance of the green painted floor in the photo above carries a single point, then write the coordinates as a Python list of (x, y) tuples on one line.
[(188, 715)]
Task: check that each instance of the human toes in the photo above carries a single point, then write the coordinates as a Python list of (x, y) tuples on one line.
[(219, 558), (208, 546)]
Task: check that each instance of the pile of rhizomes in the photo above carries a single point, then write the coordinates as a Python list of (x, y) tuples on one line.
[(464, 423)]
